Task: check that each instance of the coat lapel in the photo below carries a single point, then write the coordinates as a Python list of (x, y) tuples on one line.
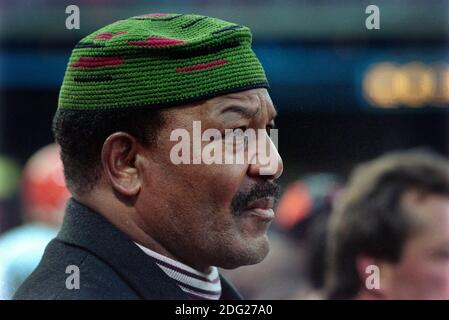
[(85, 228), (228, 292)]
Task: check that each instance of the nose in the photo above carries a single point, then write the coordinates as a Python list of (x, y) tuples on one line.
[(266, 161)]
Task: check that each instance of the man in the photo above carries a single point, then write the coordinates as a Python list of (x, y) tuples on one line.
[(389, 234), (140, 224)]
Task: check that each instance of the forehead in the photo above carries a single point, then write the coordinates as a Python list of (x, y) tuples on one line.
[(250, 97), (254, 104), (252, 100), (429, 213)]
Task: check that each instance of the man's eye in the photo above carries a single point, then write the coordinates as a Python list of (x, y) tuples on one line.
[(441, 254), (235, 132), (240, 130), (241, 139)]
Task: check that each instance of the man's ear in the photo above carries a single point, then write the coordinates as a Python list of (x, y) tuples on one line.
[(374, 275), (118, 156)]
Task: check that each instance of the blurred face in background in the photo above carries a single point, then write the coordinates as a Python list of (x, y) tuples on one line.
[(44, 193), (423, 270)]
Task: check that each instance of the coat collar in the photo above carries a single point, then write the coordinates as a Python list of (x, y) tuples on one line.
[(89, 230)]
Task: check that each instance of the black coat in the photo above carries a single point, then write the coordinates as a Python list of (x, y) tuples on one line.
[(111, 266)]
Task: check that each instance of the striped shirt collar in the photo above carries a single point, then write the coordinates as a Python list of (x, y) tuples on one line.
[(198, 285)]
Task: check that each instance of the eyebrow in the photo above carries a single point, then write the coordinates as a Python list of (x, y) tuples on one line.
[(244, 111)]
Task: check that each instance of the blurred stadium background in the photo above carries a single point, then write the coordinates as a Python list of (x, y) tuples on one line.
[(344, 94)]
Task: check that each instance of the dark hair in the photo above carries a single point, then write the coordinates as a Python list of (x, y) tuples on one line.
[(81, 135), (368, 218)]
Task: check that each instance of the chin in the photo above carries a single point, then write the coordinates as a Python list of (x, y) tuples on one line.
[(246, 253)]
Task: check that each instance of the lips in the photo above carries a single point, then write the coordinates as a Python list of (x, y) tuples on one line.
[(261, 208), (262, 203)]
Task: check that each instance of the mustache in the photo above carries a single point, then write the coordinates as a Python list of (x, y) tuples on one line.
[(261, 190)]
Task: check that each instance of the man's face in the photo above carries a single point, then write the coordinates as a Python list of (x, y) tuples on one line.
[(212, 214), (423, 271)]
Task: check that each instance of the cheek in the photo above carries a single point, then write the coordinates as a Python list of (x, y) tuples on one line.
[(424, 277), (201, 191), (220, 183), (435, 277), (211, 187), (216, 182)]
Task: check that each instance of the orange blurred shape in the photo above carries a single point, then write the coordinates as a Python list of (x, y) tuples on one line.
[(295, 205), (44, 192)]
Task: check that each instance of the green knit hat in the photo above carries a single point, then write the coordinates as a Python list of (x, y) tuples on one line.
[(160, 60)]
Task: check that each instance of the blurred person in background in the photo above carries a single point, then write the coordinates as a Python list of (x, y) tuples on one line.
[(303, 213), (389, 233), (44, 196)]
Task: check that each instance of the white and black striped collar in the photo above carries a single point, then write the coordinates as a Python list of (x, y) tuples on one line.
[(198, 285)]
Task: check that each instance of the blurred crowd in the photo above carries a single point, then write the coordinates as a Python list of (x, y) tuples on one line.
[(38, 204)]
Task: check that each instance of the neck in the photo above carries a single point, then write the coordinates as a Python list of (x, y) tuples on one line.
[(136, 232), (129, 222)]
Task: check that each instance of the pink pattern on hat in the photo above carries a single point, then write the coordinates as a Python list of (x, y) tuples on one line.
[(203, 66), (108, 35), (156, 42), (95, 62)]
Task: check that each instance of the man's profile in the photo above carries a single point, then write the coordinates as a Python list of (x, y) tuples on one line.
[(138, 225)]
